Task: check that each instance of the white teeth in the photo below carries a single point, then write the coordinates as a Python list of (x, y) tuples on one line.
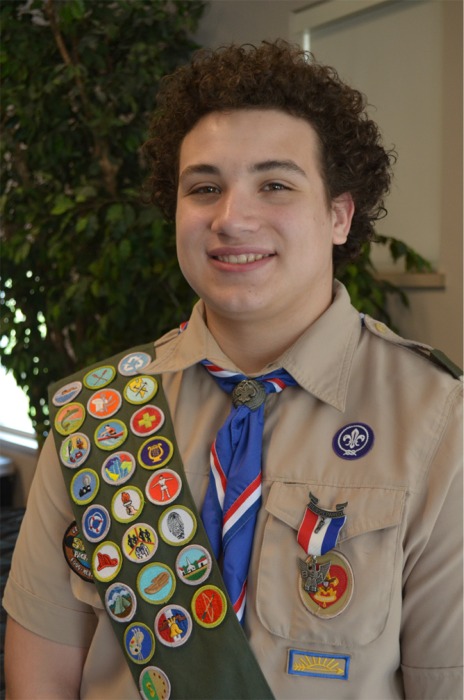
[(241, 259)]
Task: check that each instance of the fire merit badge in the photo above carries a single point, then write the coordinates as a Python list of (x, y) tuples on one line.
[(326, 577)]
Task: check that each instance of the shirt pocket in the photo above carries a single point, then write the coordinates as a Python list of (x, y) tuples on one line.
[(369, 540)]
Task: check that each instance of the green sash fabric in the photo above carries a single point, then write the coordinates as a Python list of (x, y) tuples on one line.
[(205, 653)]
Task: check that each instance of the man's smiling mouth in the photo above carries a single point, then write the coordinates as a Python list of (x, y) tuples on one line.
[(241, 259)]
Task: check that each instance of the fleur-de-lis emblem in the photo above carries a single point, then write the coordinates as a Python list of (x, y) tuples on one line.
[(353, 441)]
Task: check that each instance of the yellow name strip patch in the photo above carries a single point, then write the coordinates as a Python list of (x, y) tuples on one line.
[(309, 663)]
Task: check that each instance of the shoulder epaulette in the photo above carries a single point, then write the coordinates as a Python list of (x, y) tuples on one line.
[(437, 357)]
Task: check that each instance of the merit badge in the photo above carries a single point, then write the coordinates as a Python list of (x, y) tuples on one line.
[(139, 642), (353, 441), (133, 363), (193, 564), (177, 525), (69, 418), (110, 435), (104, 403), (106, 561), (140, 389), (118, 468), (139, 543), (209, 606), (156, 583), (120, 602), (99, 377), (326, 584), (173, 625), (95, 523), (147, 420), (74, 450), (84, 486), (67, 393), (75, 554), (154, 684), (155, 452), (163, 487), (320, 528), (127, 504)]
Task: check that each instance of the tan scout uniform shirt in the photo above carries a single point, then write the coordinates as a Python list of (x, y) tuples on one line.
[(401, 633)]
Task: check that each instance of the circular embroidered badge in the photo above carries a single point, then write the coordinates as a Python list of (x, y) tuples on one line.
[(163, 487), (106, 561), (104, 403), (140, 389), (155, 452), (110, 435), (95, 523), (127, 504), (156, 583), (154, 684), (84, 486), (193, 564), (74, 450), (139, 543), (67, 393), (177, 525), (173, 625), (209, 606), (133, 363), (118, 468), (139, 642), (69, 418), (99, 377), (326, 585), (75, 554), (353, 441), (120, 602), (146, 420)]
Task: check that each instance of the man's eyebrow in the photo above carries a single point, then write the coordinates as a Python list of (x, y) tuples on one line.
[(199, 169), (277, 165)]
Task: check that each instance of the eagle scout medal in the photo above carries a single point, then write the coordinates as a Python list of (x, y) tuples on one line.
[(173, 625), (133, 363), (139, 642), (99, 377), (146, 420), (140, 389), (110, 434), (155, 452), (163, 487), (104, 403), (139, 543), (118, 468), (326, 584), (177, 525), (154, 684), (69, 418), (127, 504), (320, 528), (106, 561), (209, 606), (75, 554), (156, 583), (193, 564), (74, 450), (67, 393), (120, 602), (353, 441), (84, 486)]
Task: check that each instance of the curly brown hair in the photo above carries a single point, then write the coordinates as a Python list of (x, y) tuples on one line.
[(276, 76)]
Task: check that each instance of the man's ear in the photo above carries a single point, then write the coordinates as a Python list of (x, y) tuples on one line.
[(342, 213)]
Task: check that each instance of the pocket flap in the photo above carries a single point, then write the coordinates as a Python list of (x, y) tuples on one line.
[(368, 508)]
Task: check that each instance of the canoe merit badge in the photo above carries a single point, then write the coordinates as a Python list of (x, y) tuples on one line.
[(69, 418), (173, 625), (75, 554), (326, 584), (110, 434), (140, 389), (74, 450), (177, 525), (154, 684), (139, 642), (209, 606), (120, 602), (353, 441)]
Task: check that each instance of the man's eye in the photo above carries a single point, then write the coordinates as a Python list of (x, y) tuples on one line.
[(275, 187), (205, 189)]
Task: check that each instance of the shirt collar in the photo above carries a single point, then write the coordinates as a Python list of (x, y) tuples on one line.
[(320, 360)]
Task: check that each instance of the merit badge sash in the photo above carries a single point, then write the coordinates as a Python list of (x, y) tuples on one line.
[(145, 546)]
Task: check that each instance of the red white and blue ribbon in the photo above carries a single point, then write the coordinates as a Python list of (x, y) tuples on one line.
[(233, 497), (320, 528)]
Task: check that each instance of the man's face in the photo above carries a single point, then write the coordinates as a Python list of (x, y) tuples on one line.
[(254, 229)]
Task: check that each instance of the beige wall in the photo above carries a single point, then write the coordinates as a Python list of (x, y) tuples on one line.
[(435, 315)]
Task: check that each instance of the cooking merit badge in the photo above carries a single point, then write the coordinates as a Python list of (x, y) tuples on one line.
[(326, 577)]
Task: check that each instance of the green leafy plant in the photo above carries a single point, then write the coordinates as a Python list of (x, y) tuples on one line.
[(87, 269)]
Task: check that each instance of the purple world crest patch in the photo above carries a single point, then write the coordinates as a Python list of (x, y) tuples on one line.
[(353, 441)]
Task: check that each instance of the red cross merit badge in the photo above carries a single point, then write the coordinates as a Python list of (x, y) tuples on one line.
[(326, 577)]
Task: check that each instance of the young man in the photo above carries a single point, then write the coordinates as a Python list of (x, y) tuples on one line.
[(333, 503)]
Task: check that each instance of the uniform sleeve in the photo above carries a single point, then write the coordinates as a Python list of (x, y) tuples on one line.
[(431, 640), (40, 590)]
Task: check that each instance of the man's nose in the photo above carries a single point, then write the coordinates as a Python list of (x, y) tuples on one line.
[(236, 212)]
